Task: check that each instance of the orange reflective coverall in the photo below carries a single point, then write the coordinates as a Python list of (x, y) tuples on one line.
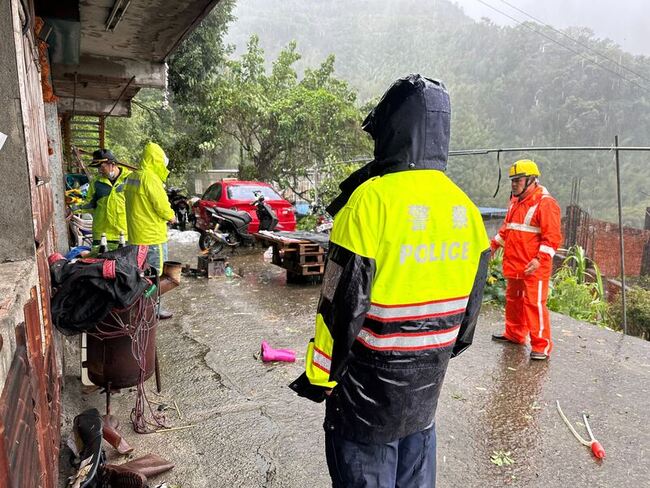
[(531, 229)]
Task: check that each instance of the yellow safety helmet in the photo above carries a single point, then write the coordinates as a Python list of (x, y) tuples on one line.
[(523, 167)]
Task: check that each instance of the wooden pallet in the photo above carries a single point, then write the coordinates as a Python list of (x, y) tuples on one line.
[(299, 257)]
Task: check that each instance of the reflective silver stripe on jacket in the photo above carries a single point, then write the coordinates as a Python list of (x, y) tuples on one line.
[(529, 215), (392, 313), (321, 360), (524, 228), (408, 341), (547, 249), (133, 181)]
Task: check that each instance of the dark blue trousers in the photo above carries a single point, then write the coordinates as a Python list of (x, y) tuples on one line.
[(409, 462)]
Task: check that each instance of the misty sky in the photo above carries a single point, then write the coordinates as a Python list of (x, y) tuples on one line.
[(624, 21)]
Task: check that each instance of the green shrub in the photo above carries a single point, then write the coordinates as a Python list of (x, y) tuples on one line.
[(576, 291), (578, 300), (308, 222), (638, 281), (495, 286), (644, 282), (638, 312)]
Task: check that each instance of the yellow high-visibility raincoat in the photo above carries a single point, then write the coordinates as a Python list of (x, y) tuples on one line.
[(403, 284), (147, 206), (106, 201)]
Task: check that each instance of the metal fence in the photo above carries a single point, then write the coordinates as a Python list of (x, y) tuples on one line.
[(605, 207)]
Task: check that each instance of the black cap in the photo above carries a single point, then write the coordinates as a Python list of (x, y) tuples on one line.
[(102, 156)]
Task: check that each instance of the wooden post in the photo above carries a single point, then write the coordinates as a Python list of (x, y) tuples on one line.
[(102, 132), (67, 142), (645, 260)]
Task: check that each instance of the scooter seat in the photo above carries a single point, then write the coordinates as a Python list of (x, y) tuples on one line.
[(231, 214)]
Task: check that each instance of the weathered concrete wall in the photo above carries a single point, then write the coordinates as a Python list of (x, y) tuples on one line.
[(17, 234), (17, 280), (56, 174)]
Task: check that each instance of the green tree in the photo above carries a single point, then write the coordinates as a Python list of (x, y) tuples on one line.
[(510, 86), (283, 125), (201, 57), (151, 119), (170, 118)]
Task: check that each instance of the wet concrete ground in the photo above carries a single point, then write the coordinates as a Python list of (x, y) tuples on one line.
[(248, 429)]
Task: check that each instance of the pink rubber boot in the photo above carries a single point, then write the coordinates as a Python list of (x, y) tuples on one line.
[(270, 354)]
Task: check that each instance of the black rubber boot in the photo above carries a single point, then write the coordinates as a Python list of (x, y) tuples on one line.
[(502, 338)]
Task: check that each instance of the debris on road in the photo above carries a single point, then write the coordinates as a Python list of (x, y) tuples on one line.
[(502, 458), (269, 354), (596, 447)]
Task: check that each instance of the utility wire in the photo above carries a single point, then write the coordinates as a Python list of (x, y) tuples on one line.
[(582, 55), (580, 43)]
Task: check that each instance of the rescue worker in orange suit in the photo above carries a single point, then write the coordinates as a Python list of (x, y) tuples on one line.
[(530, 235), (401, 293)]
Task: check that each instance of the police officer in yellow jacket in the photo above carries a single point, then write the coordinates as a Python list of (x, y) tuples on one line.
[(148, 209), (105, 198), (401, 294)]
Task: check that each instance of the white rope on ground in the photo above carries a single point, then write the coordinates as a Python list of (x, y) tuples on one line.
[(573, 431)]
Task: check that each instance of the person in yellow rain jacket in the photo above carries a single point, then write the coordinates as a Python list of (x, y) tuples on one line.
[(105, 198), (401, 293), (148, 209)]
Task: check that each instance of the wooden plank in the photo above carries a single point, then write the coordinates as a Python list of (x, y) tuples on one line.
[(278, 239), (309, 247), (311, 270)]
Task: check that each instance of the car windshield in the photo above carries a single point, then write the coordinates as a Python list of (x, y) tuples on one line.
[(247, 192)]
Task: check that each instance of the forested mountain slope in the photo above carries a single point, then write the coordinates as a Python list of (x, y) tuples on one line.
[(510, 86)]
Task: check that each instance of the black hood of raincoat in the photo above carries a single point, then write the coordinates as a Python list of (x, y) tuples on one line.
[(410, 126)]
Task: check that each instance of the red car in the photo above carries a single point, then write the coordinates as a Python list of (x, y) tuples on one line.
[(240, 195)]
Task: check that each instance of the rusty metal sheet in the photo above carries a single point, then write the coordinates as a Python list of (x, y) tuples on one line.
[(45, 287), (18, 426), (34, 338), (53, 398)]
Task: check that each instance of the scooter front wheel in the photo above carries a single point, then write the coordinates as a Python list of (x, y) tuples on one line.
[(215, 249), (206, 241)]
